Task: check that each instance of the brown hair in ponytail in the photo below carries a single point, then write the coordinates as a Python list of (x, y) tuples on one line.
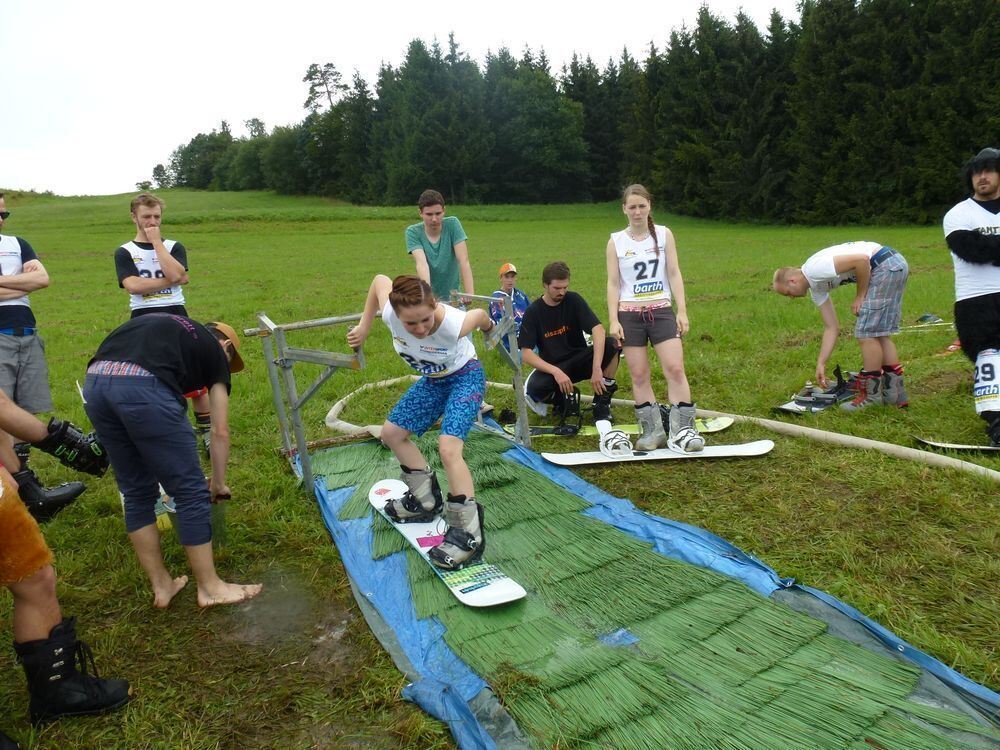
[(411, 291), (637, 189)]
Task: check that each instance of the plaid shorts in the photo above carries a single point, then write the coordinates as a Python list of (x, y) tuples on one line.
[(882, 308)]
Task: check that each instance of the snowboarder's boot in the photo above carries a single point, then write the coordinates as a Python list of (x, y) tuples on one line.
[(44, 503), (464, 541), (74, 449), (602, 404), (653, 435), (992, 426), (58, 687), (893, 391), (869, 392), (422, 501), (683, 434)]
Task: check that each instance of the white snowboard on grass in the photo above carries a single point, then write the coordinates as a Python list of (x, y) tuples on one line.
[(585, 458), (958, 446), (480, 584)]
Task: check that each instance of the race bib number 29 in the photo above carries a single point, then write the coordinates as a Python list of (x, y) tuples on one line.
[(986, 385)]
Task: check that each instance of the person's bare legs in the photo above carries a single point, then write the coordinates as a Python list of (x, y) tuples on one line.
[(872, 354), (36, 609), (213, 590), (146, 543), (671, 356), (403, 448), (889, 354), (638, 367), (455, 468)]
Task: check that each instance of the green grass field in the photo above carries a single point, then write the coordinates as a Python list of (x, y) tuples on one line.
[(914, 547)]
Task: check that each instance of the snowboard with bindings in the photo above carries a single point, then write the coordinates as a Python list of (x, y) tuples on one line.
[(703, 425), (588, 458), (812, 399), (479, 584)]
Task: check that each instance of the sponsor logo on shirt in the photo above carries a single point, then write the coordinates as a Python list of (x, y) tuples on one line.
[(557, 332), (433, 350), (647, 287)]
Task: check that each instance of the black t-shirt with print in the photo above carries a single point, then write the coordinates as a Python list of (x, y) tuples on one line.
[(557, 330), (183, 354)]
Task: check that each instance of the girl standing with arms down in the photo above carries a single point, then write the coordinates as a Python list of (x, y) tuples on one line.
[(432, 338), (646, 304)]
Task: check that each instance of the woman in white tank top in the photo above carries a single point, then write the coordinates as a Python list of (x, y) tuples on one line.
[(646, 305)]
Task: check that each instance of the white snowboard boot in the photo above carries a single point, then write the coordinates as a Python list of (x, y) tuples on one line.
[(653, 435), (463, 541), (422, 501), (683, 434)]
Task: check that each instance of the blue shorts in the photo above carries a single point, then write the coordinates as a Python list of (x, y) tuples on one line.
[(457, 396)]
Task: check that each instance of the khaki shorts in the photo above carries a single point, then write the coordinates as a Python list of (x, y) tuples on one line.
[(23, 551)]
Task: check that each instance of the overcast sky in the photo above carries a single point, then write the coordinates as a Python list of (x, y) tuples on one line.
[(93, 95)]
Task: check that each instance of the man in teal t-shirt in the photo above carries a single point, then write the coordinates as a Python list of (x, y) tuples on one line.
[(438, 247)]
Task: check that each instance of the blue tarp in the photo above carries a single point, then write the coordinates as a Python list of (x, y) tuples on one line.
[(443, 685)]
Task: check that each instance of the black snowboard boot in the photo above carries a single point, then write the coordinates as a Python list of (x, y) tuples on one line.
[(67, 442), (6, 743), (992, 426), (464, 541), (602, 404), (57, 686), (44, 503)]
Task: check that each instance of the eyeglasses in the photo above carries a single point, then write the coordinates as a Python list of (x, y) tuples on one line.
[(4, 215)]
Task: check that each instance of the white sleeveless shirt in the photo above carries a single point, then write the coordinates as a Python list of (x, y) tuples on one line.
[(642, 267), (149, 268), (437, 355)]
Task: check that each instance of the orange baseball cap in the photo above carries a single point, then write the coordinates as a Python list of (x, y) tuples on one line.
[(236, 363), (507, 268)]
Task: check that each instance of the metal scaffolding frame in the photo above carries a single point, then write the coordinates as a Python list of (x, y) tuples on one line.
[(280, 359)]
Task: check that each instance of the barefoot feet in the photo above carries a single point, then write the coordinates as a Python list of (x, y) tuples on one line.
[(227, 593), (163, 594)]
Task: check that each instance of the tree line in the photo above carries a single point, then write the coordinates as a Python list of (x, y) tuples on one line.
[(863, 110)]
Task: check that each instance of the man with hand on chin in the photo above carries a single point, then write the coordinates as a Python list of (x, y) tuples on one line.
[(150, 268)]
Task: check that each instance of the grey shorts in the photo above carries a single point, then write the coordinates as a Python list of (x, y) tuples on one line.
[(649, 325), (24, 374), (882, 308)]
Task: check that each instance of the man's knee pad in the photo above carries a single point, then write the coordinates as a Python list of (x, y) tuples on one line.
[(986, 385)]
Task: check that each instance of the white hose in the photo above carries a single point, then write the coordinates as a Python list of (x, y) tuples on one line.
[(849, 441)]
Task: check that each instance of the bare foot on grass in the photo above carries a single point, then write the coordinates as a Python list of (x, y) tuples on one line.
[(228, 593), (163, 596)]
